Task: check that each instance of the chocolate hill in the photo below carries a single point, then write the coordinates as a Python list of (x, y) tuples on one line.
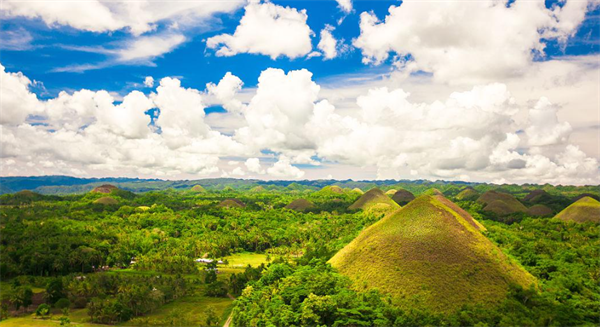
[(430, 255)]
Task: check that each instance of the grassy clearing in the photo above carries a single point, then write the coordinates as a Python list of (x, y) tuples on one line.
[(241, 260), (188, 310)]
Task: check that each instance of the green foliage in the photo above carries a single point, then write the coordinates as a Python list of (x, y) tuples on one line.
[(71, 246), (211, 316), (54, 291), (22, 297), (62, 303), (43, 311)]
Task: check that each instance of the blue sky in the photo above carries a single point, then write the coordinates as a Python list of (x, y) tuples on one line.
[(196, 65), (448, 52)]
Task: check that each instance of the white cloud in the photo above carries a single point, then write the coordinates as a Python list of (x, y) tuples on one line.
[(283, 169), (17, 39), (149, 81), (105, 16), (328, 44), (226, 91), (466, 41), (276, 115), (181, 112), (544, 128), (16, 102), (237, 172), (345, 5), (253, 166), (127, 119), (148, 47), (266, 29), (482, 133)]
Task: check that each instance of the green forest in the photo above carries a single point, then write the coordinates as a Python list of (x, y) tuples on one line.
[(246, 254)]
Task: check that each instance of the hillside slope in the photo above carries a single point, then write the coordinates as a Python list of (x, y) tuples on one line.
[(430, 254), (584, 210), (374, 199), (501, 203)]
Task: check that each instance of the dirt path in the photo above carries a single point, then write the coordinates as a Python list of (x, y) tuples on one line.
[(230, 318)]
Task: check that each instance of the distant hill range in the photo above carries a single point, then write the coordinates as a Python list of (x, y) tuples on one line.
[(57, 185)]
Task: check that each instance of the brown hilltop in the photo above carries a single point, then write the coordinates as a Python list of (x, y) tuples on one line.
[(374, 199), (501, 203), (232, 203), (403, 197), (300, 205), (540, 210), (106, 189)]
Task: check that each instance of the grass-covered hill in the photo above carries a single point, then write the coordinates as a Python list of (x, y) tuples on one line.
[(300, 205), (374, 199), (198, 189), (468, 193), (537, 196), (540, 210), (430, 255), (501, 203), (403, 197), (105, 188), (584, 210), (232, 203)]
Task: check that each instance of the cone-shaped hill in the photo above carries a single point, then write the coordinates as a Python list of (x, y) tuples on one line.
[(584, 210), (300, 205), (232, 203), (540, 210), (258, 189), (433, 191), (501, 203), (391, 192), (374, 199), (433, 252), (106, 189), (106, 200), (332, 189), (468, 193), (357, 190), (403, 197), (537, 196), (198, 189)]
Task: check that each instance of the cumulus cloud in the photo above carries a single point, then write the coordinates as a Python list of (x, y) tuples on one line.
[(474, 134), (105, 16), (17, 102), (253, 166), (467, 42), (345, 5), (276, 115), (181, 112), (283, 169), (226, 91), (149, 81), (328, 44), (266, 29), (544, 128)]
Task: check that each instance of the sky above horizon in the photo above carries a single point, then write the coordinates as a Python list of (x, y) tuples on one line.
[(482, 91)]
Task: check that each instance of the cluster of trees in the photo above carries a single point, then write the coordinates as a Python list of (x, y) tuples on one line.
[(291, 294), (69, 240), (166, 234)]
